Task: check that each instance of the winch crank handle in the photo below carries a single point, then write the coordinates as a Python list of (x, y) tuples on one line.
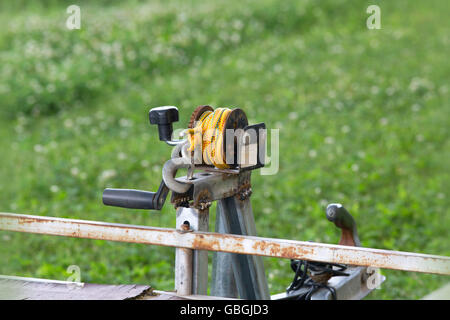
[(343, 219), (136, 199)]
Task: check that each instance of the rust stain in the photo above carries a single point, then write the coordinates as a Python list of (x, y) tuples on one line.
[(275, 249), (205, 244), (24, 221), (259, 246), (294, 253), (238, 246)]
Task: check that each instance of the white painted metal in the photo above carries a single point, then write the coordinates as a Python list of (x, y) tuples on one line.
[(198, 221), (183, 270), (78, 284), (228, 243)]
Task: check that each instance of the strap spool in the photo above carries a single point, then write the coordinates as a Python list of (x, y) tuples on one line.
[(212, 137)]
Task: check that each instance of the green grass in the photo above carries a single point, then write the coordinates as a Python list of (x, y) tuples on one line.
[(363, 118)]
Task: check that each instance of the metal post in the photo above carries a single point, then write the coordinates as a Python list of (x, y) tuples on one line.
[(198, 220), (223, 281), (183, 271), (247, 222), (236, 217)]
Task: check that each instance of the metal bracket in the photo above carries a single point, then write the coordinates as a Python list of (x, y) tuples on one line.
[(210, 186), (355, 286), (233, 274)]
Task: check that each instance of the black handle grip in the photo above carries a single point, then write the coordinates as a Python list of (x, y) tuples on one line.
[(136, 199), (128, 198)]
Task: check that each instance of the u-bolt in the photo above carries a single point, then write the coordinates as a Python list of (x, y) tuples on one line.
[(170, 170)]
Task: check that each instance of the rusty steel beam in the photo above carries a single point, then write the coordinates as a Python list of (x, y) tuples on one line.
[(279, 248)]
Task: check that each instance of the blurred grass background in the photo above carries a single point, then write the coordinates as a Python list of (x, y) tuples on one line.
[(363, 118)]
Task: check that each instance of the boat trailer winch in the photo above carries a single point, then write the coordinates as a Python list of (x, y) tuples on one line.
[(220, 150)]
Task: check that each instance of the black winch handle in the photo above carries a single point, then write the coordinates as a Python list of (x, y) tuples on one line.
[(343, 219), (136, 199)]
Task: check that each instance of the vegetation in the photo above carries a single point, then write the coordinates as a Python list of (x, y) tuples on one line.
[(363, 118)]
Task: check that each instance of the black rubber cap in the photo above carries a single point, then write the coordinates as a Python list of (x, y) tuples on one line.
[(163, 115)]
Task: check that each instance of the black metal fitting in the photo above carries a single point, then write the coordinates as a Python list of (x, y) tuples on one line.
[(164, 117)]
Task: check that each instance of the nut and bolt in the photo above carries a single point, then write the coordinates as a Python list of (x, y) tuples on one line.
[(185, 227), (204, 205), (245, 194)]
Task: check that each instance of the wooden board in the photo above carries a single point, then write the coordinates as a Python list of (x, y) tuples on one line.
[(13, 288)]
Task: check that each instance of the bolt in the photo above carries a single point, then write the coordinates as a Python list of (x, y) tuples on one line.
[(185, 226), (204, 205)]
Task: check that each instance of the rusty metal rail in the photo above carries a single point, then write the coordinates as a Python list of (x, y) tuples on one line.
[(227, 243)]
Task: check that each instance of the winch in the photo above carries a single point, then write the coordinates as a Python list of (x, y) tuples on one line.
[(220, 149), (216, 142)]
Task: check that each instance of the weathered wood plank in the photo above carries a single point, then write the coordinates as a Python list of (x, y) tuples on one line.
[(40, 289)]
